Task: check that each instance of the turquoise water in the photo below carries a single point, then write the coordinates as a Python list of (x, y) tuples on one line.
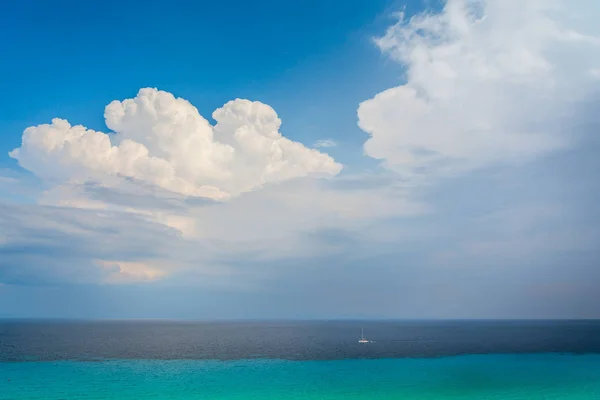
[(535, 376)]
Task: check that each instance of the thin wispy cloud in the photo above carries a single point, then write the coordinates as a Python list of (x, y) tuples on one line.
[(325, 143)]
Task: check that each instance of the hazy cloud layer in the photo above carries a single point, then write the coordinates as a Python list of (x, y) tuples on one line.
[(129, 232)]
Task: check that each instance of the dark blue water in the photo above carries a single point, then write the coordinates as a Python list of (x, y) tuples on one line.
[(61, 340)]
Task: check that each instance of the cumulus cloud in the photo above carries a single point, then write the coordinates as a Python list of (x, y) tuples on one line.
[(162, 140), (487, 81), (169, 156), (325, 143)]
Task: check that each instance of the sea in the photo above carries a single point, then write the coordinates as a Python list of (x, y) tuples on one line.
[(419, 360)]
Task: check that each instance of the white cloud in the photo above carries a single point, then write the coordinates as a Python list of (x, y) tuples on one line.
[(172, 155), (325, 143), (487, 81), (164, 141)]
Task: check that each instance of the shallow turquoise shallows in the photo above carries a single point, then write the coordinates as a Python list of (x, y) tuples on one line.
[(506, 377)]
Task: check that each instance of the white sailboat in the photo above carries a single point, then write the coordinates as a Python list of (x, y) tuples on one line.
[(362, 336)]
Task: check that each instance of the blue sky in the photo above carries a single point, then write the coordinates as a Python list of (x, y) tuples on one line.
[(71, 59), (360, 162)]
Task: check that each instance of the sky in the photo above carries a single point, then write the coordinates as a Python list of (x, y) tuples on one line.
[(299, 160)]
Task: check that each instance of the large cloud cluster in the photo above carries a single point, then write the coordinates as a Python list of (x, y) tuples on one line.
[(162, 140), (487, 81)]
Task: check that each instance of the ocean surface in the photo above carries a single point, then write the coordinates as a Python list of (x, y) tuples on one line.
[(299, 360)]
